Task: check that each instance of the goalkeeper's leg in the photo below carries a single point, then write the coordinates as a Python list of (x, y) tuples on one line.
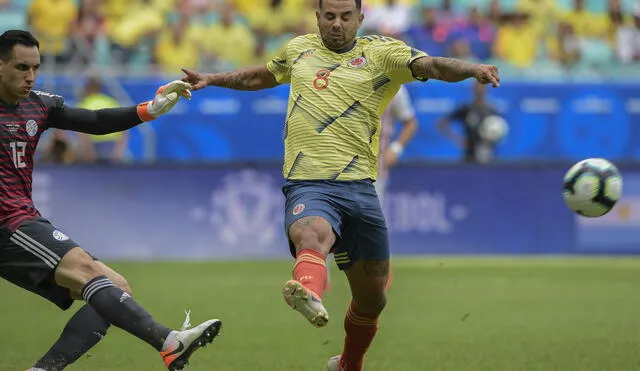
[(83, 331)]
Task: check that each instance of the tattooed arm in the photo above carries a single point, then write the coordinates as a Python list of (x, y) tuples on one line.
[(251, 78), (454, 70)]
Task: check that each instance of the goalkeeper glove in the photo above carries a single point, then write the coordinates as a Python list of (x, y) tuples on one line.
[(166, 97)]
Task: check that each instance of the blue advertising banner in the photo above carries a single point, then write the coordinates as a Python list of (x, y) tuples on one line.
[(619, 230), (237, 212), (548, 121)]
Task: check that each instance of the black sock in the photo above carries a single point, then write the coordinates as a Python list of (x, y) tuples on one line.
[(84, 330), (119, 308)]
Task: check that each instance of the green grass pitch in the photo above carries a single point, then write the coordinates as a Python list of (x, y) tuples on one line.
[(444, 314)]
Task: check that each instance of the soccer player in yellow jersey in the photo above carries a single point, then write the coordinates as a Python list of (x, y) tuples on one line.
[(340, 86)]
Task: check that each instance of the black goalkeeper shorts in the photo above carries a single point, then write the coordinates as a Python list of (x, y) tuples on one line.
[(30, 257)]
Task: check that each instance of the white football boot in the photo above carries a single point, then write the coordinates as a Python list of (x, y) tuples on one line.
[(180, 345), (302, 300)]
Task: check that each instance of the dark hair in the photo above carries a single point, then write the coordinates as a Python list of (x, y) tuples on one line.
[(358, 4), (11, 38)]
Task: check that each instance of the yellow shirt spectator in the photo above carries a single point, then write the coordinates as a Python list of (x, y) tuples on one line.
[(517, 44), (543, 14), (176, 48), (275, 21), (141, 19), (115, 9), (51, 22), (383, 2), (586, 23), (231, 42)]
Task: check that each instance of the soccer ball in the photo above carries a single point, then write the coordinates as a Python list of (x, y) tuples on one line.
[(592, 187), (493, 128)]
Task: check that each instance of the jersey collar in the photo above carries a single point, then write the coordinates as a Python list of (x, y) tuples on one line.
[(345, 50)]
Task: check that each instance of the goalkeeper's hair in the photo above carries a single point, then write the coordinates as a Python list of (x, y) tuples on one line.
[(358, 4), (11, 38)]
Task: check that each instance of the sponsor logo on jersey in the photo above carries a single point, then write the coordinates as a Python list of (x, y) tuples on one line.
[(32, 128)]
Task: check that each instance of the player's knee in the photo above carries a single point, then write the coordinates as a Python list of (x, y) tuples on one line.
[(122, 283), (76, 269), (373, 303), (313, 233), (310, 239)]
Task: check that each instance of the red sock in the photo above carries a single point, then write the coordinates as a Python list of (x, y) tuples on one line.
[(311, 271), (361, 329)]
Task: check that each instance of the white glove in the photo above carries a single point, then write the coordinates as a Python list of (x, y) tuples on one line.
[(166, 97)]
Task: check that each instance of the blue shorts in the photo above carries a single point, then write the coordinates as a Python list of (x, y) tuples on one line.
[(352, 209)]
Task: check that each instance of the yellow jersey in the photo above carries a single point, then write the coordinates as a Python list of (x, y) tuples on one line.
[(332, 128)]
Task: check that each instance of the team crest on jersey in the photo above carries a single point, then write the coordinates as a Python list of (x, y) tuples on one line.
[(32, 127), (358, 62), (60, 236), (298, 209)]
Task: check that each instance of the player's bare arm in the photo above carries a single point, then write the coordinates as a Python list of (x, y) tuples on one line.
[(454, 70), (250, 78)]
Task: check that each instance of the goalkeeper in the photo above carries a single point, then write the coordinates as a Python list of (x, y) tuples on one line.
[(36, 256)]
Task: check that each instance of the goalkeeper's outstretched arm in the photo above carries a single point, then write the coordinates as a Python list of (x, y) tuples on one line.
[(251, 78), (112, 120)]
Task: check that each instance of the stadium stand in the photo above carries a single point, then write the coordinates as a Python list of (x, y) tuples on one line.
[(541, 39)]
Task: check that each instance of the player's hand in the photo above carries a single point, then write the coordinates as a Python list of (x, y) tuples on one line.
[(166, 97), (196, 79), (487, 74), (389, 158)]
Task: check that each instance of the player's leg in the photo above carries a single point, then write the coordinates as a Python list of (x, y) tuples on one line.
[(381, 189), (83, 331), (367, 280), (364, 257), (328, 265), (78, 272), (37, 249), (310, 222)]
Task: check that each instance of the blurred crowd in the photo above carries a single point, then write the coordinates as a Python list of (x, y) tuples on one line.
[(542, 38)]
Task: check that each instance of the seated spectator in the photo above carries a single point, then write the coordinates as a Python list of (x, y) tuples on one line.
[(390, 19), (543, 15), (429, 35), (87, 29), (584, 22), (178, 47), (141, 21), (230, 41), (628, 39), (517, 42), (479, 34), (616, 19), (276, 18), (51, 21), (564, 47)]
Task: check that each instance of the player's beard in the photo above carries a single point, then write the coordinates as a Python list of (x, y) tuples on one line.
[(335, 41)]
